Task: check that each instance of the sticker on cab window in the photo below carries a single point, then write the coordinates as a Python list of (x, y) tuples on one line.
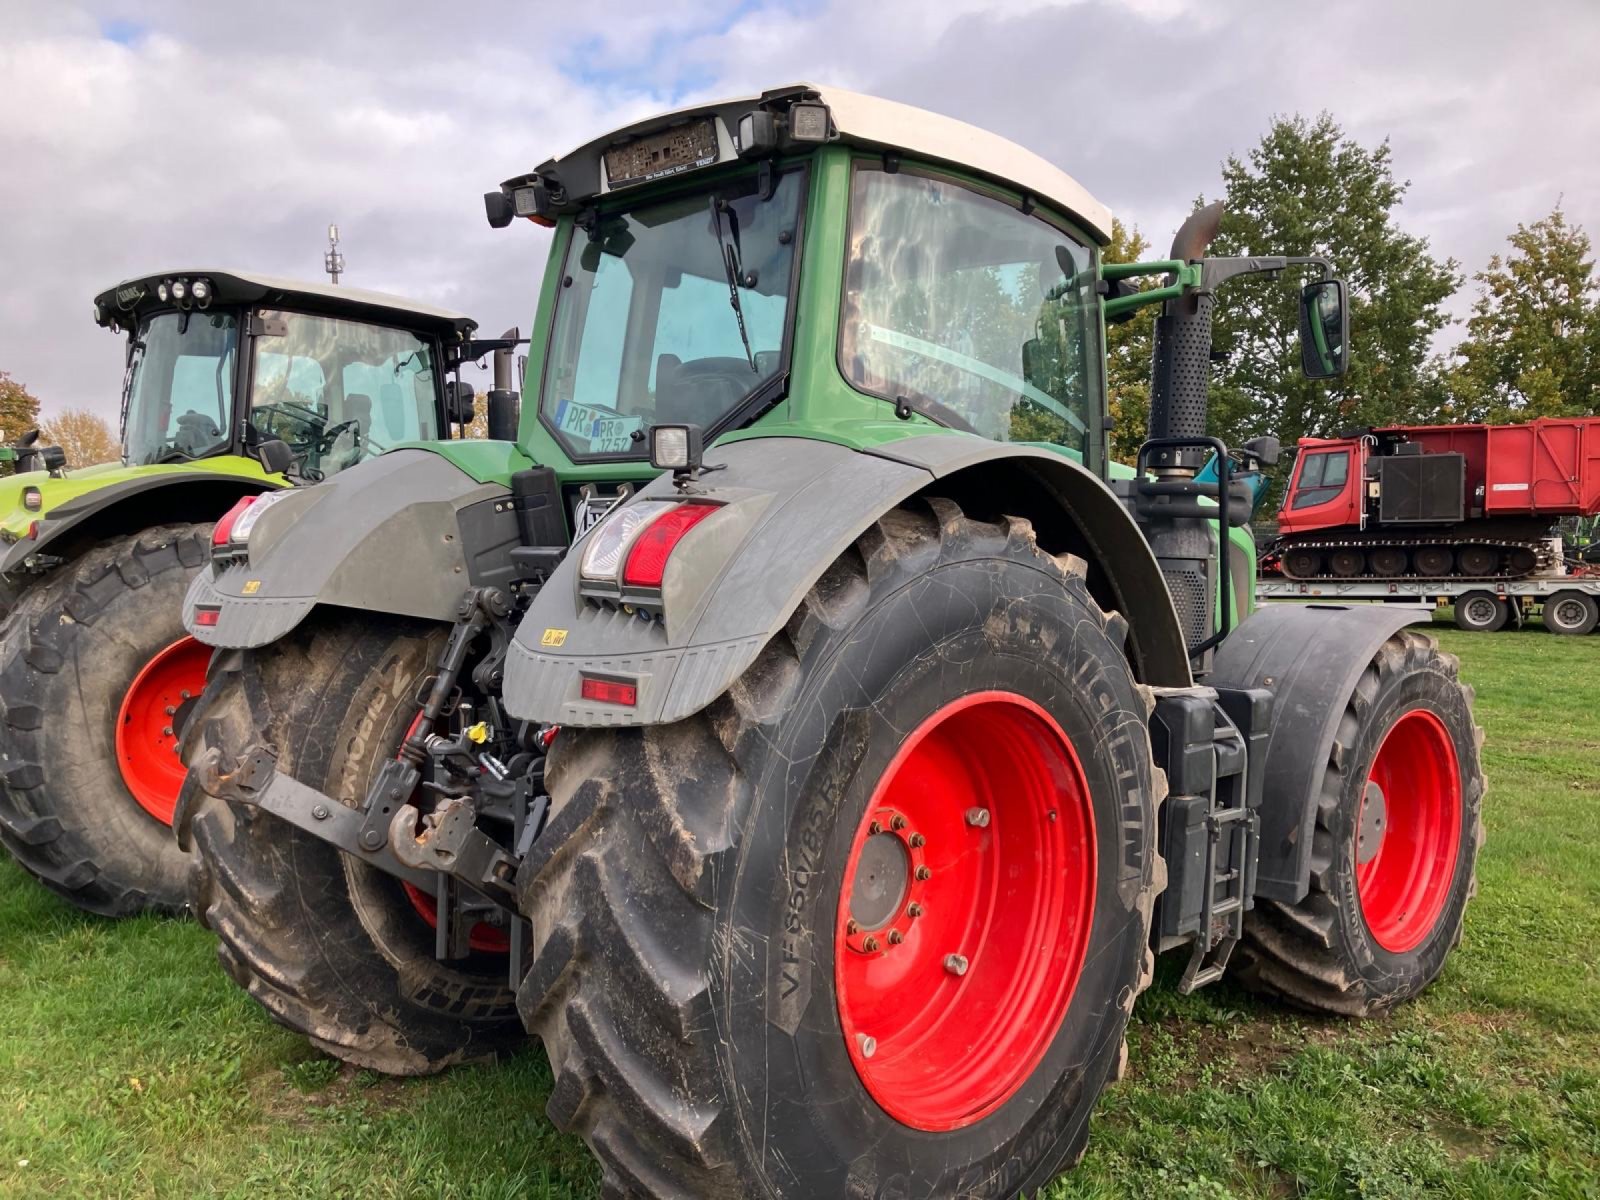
[(605, 431)]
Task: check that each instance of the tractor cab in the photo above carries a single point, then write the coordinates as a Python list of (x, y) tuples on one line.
[(220, 363)]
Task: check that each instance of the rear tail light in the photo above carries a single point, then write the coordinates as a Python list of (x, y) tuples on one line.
[(206, 616), (223, 531), (611, 691), (602, 557), (647, 558)]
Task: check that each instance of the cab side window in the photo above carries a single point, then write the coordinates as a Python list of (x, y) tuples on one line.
[(1322, 478)]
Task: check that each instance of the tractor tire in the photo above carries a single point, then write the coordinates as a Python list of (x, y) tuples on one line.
[(734, 991), (330, 946), (1482, 612), (1398, 827), (96, 678), (1571, 613)]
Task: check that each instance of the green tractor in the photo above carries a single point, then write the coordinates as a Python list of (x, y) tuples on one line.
[(824, 808), (237, 386)]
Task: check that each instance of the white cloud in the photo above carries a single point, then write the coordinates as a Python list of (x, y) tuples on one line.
[(172, 133)]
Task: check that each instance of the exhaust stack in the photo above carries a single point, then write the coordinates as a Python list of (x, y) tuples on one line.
[(1181, 371)]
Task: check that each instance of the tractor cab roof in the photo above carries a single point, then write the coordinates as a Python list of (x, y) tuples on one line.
[(134, 298), (575, 178)]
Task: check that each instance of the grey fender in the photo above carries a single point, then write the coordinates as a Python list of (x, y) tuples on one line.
[(793, 506), (130, 505), (1310, 657), (404, 533)]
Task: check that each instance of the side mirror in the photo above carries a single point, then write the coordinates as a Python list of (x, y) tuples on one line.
[(502, 415), (458, 402), (274, 455), (1324, 329), (1265, 450)]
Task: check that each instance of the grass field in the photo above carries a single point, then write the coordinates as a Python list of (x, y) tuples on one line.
[(129, 1066)]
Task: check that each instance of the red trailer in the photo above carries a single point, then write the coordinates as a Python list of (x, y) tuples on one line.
[(1458, 502)]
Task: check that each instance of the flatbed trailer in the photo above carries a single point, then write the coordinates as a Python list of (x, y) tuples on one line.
[(1568, 603)]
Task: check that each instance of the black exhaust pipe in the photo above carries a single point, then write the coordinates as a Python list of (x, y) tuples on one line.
[(1181, 372)]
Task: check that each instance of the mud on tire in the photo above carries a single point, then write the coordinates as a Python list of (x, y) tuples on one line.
[(1327, 953), (68, 652), (686, 894), (331, 947)]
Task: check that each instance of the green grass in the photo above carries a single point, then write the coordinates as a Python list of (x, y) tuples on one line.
[(130, 1066)]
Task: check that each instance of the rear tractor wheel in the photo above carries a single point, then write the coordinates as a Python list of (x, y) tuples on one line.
[(330, 946), (1395, 844), (97, 678), (872, 923)]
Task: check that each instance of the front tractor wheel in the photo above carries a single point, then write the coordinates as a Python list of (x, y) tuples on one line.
[(330, 946), (871, 924), (1397, 830), (97, 678)]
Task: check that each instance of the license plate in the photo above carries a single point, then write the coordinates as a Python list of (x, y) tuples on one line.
[(606, 432)]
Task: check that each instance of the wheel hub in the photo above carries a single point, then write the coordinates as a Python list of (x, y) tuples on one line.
[(885, 884), (150, 722), (1374, 816)]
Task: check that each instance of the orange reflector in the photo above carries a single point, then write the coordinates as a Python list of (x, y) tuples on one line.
[(611, 691), (647, 558), (206, 616)]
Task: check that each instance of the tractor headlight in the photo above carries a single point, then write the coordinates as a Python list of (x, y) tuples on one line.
[(180, 289), (200, 289), (163, 291), (602, 557)]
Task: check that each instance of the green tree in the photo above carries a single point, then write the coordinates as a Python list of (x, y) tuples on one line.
[(1128, 349), (1533, 341), (19, 409), (1307, 190)]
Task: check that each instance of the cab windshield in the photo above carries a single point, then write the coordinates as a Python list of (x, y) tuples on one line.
[(339, 391), (646, 328), (178, 399)]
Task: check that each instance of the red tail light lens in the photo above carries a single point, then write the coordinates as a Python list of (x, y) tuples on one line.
[(206, 616), (611, 691), (647, 557), (224, 527)]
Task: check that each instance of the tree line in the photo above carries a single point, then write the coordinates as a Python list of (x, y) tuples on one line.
[(1531, 346)]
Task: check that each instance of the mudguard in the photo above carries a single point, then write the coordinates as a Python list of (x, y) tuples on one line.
[(404, 533), (183, 492), (793, 506), (1309, 656)]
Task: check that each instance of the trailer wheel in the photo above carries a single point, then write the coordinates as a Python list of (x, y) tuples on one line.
[(1398, 826), (1571, 613), (97, 677), (1482, 612), (872, 923), (331, 947)]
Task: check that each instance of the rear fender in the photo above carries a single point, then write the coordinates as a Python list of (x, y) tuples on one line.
[(793, 506), (1310, 657), (405, 533)]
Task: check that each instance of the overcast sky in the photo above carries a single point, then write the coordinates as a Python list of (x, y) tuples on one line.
[(137, 137)]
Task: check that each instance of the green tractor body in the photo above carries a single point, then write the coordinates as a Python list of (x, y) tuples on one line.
[(822, 809), (236, 386)]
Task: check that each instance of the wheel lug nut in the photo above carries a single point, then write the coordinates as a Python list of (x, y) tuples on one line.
[(918, 841), (870, 944), (924, 874), (851, 927), (896, 937), (956, 964), (171, 711), (875, 827), (978, 818), (187, 695), (897, 823), (167, 731), (868, 1044), (915, 910)]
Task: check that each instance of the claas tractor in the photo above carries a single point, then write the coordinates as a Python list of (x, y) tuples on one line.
[(236, 386), (823, 807)]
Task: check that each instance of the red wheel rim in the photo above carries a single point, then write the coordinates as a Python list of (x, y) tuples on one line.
[(484, 937), (1408, 832), (150, 719), (941, 1043)]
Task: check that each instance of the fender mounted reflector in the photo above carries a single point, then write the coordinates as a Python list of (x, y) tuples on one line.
[(610, 691), (206, 616)]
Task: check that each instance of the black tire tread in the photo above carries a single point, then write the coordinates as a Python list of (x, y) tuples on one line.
[(38, 825)]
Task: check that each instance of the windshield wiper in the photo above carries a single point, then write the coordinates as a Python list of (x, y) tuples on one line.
[(732, 267)]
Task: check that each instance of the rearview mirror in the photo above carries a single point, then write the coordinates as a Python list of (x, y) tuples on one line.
[(274, 455), (458, 402), (1324, 329)]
